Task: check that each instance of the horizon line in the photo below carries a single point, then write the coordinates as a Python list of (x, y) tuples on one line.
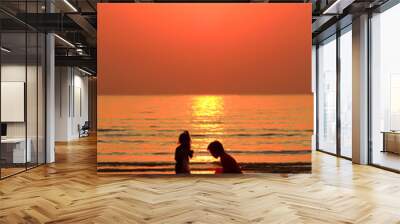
[(200, 94)]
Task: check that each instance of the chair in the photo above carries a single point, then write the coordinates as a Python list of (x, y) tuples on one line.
[(84, 130)]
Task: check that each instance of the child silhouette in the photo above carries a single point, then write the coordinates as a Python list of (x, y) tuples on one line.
[(228, 163), (182, 154)]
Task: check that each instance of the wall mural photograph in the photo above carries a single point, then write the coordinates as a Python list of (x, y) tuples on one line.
[(204, 88)]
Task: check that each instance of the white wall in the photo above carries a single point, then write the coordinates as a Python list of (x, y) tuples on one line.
[(80, 110), (62, 81), (71, 102), (17, 73), (33, 127)]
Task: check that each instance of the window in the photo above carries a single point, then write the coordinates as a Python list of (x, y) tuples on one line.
[(346, 92), (385, 89), (22, 89), (327, 95)]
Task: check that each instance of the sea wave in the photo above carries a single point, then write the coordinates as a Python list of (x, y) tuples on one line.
[(153, 164), (250, 152), (168, 167), (172, 134)]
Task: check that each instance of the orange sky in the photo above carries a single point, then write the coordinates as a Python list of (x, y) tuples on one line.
[(215, 48)]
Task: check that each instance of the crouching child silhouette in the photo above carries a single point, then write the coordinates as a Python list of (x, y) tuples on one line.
[(228, 163)]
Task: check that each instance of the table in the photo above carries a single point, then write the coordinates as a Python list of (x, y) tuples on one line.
[(391, 141)]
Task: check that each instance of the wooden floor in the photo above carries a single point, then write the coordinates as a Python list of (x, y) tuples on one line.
[(70, 191)]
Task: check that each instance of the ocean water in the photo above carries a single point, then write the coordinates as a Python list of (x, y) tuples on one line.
[(264, 133)]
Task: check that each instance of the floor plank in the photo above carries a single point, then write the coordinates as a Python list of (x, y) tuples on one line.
[(70, 191)]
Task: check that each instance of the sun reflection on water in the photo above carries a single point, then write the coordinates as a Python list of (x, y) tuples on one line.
[(207, 106), (207, 120)]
